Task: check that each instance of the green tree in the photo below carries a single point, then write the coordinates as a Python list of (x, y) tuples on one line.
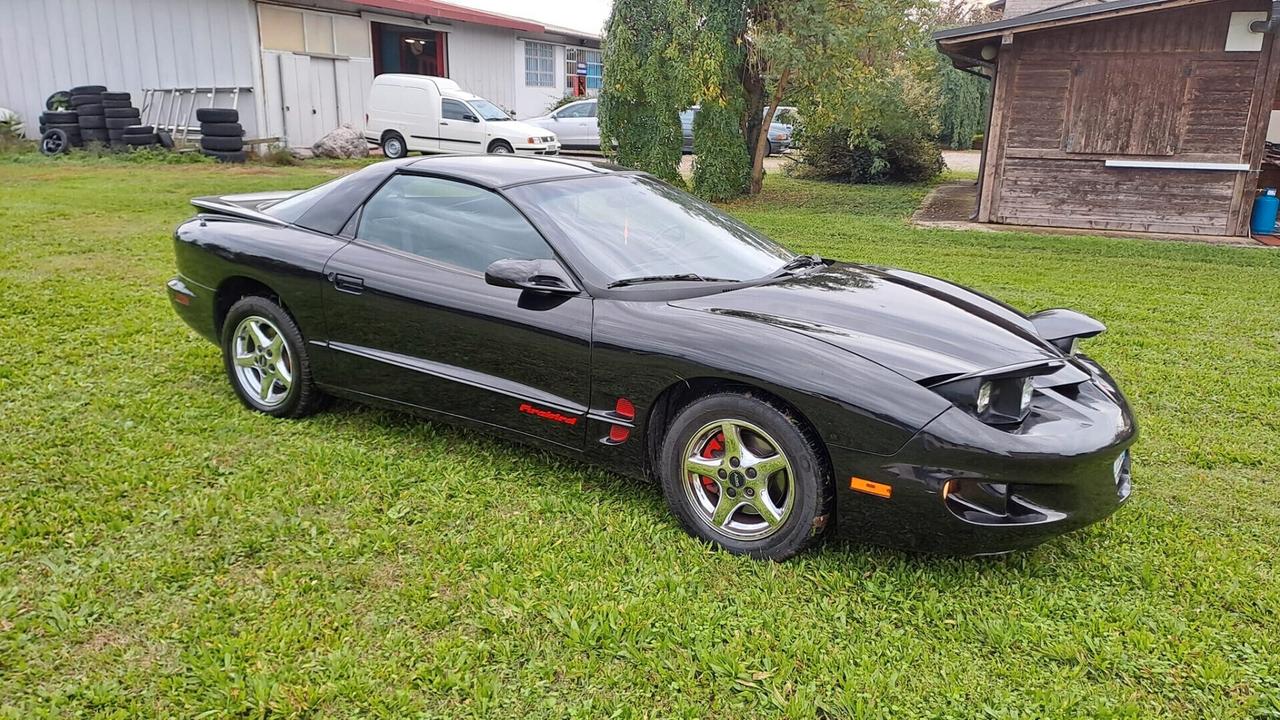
[(647, 84), (738, 59)]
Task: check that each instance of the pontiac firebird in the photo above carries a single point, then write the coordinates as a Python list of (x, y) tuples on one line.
[(775, 397)]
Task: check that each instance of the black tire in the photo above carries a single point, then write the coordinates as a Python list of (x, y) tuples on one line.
[(226, 157), (220, 129), (139, 140), (811, 492), (217, 115), (225, 144), (117, 103), (93, 122), (122, 112), (165, 139), (60, 100), (90, 111), (394, 146), (55, 117), (88, 90), (117, 96), (140, 129), (302, 397), (501, 147), (121, 123), (94, 134), (78, 101), (55, 142)]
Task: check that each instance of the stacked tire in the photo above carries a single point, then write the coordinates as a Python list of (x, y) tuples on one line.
[(86, 100), (68, 121), (221, 135), (120, 115)]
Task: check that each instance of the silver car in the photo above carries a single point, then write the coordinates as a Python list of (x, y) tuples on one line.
[(575, 124)]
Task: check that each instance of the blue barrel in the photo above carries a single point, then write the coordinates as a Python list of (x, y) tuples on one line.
[(1264, 213)]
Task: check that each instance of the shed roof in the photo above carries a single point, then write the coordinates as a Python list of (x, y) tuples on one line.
[(1071, 13)]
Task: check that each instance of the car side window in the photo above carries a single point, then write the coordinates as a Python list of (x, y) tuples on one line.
[(453, 110), (592, 107), (577, 110), (449, 222)]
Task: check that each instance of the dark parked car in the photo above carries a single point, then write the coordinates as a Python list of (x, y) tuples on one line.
[(605, 314)]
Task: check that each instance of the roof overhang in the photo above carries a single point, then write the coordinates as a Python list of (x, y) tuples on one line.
[(1055, 18), (445, 11)]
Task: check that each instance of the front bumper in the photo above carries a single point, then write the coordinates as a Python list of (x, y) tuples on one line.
[(551, 148), (963, 487)]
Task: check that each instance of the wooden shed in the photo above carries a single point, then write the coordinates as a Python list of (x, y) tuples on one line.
[(1133, 115)]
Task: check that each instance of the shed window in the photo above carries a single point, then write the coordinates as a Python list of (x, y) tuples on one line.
[(539, 64), (1126, 105)]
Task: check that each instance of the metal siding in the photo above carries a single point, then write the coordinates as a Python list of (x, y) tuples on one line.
[(481, 59), (50, 45)]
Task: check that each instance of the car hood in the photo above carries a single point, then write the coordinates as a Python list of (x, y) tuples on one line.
[(916, 325), (517, 129)]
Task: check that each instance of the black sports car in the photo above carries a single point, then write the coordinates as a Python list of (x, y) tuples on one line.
[(599, 311)]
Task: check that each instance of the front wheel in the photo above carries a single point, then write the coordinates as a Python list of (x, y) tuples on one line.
[(393, 147), (747, 476), (501, 148), (266, 360)]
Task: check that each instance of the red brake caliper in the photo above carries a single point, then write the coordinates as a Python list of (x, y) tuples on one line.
[(714, 445)]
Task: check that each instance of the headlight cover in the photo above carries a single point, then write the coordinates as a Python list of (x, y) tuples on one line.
[(996, 397)]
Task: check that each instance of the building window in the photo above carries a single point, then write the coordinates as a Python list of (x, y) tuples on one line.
[(595, 69), (539, 64)]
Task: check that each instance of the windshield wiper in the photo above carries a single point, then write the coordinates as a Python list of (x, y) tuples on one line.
[(801, 262), (682, 277)]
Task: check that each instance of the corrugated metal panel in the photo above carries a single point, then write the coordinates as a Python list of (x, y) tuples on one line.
[(128, 45), (481, 60)]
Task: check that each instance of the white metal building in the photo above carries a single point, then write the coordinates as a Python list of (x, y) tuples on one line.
[(295, 69)]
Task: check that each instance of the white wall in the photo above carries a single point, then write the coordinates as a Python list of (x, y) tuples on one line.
[(532, 101), (480, 60), (127, 45)]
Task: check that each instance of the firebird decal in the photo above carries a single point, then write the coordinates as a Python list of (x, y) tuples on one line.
[(551, 415)]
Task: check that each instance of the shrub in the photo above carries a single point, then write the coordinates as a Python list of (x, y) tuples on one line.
[(880, 155)]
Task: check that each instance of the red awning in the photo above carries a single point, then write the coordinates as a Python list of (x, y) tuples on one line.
[(445, 11)]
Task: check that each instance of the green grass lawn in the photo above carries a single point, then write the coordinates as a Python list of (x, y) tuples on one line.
[(165, 553)]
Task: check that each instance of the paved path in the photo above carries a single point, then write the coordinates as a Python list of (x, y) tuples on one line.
[(965, 161)]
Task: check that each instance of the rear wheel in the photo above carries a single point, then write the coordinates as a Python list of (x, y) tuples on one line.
[(747, 476), (266, 359), (393, 147)]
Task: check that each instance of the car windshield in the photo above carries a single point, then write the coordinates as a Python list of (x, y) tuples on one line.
[(488, 110), (631, 227)]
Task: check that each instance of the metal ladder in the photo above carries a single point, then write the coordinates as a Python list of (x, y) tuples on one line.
[(174, 109)]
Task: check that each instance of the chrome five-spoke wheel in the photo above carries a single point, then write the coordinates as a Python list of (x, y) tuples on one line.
[(262, 363), (738, 480)]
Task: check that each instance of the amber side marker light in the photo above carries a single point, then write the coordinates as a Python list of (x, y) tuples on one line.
[(871, 488), (947, 487)]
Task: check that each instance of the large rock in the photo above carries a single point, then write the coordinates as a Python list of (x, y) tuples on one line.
[(345, 142)]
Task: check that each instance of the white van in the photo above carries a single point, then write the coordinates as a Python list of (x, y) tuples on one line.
[(421, 113)]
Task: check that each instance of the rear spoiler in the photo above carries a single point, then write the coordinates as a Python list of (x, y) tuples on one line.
[(248, 206)]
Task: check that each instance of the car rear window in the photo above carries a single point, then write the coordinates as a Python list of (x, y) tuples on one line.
[(327, 208)]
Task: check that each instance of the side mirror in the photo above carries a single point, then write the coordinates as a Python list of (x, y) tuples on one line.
[(470, 118), (542, 276)]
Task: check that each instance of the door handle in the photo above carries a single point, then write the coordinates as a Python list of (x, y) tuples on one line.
[(443, 122), (347, 283)]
